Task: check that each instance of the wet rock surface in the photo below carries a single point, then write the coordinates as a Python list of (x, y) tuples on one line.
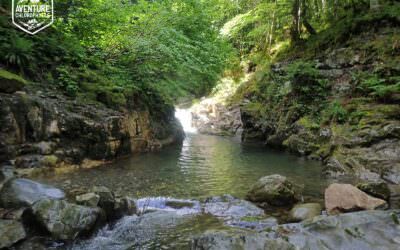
[(227, 241), (10, 233), (65, 221), (305, 211), (359, 230), (23, 192)]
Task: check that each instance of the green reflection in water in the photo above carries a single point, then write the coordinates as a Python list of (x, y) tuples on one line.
[(202, 166)]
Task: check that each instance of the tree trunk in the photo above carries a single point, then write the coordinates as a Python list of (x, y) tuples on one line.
[(295, 30), (305, 22)]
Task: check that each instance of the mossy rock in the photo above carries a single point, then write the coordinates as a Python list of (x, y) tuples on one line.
[(378, 190), (10, 83)]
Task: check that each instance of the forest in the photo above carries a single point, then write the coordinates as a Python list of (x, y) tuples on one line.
[(201, 124)]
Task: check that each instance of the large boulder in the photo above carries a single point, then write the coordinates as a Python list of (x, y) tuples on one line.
[(23, 192), (275, 190), (305, 211), (346, 198), (10, 83), (238, 241), (10, 233), (65, 221), (376, 189)]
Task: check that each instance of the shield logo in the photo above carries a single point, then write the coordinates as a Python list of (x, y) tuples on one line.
[(32, 16)]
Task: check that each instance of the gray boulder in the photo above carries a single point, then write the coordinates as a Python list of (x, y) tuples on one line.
[(23, 192), (275, 190), (238, 241), (227, 206), (367, 230), (65, 221), (305, 211), (10, 233)]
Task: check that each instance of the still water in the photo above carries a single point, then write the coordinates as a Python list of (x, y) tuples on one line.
[(202, 166)]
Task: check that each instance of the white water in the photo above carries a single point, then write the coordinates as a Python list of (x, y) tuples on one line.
[(185, 118)]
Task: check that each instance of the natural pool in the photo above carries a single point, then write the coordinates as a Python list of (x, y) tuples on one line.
[(202, 166)]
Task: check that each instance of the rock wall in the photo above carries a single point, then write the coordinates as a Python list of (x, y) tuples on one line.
[(366, 141), (44, 128)]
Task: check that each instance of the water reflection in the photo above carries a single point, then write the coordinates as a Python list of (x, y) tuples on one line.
[(202, 166)]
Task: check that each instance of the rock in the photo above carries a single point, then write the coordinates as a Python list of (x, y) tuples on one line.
[(65, 221), (124, 207), (10, 83), (89, 199), (379, 190), (254, 223), (239, 241), (305, 211), (346, 198), (367, 230), (36, 243), (23, 192), (276, 190), (107, 199), (229, 207), (10, 233), (6, 174)]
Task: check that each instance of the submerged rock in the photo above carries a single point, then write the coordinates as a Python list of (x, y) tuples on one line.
[(65, 221), (346, 198), (376, 189), (23, 192), (305, 211), (10, 233), (276, 190)]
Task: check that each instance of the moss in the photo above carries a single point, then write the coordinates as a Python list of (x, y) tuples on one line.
[(50, 160), (395, 218), (11, 76), (308, 122), (252, 218)]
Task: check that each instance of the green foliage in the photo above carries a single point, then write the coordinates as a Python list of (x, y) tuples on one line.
[(306, 82), (376, 85), (335, 112)]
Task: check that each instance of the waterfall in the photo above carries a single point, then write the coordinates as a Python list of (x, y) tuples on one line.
[(185, 118)]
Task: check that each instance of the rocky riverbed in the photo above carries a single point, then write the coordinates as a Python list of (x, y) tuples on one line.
[(39, 216)]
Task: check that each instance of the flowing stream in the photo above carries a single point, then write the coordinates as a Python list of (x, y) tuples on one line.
[(202, 166)]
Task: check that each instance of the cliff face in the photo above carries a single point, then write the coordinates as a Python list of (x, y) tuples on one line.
[(340, 105), (45, 128)]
